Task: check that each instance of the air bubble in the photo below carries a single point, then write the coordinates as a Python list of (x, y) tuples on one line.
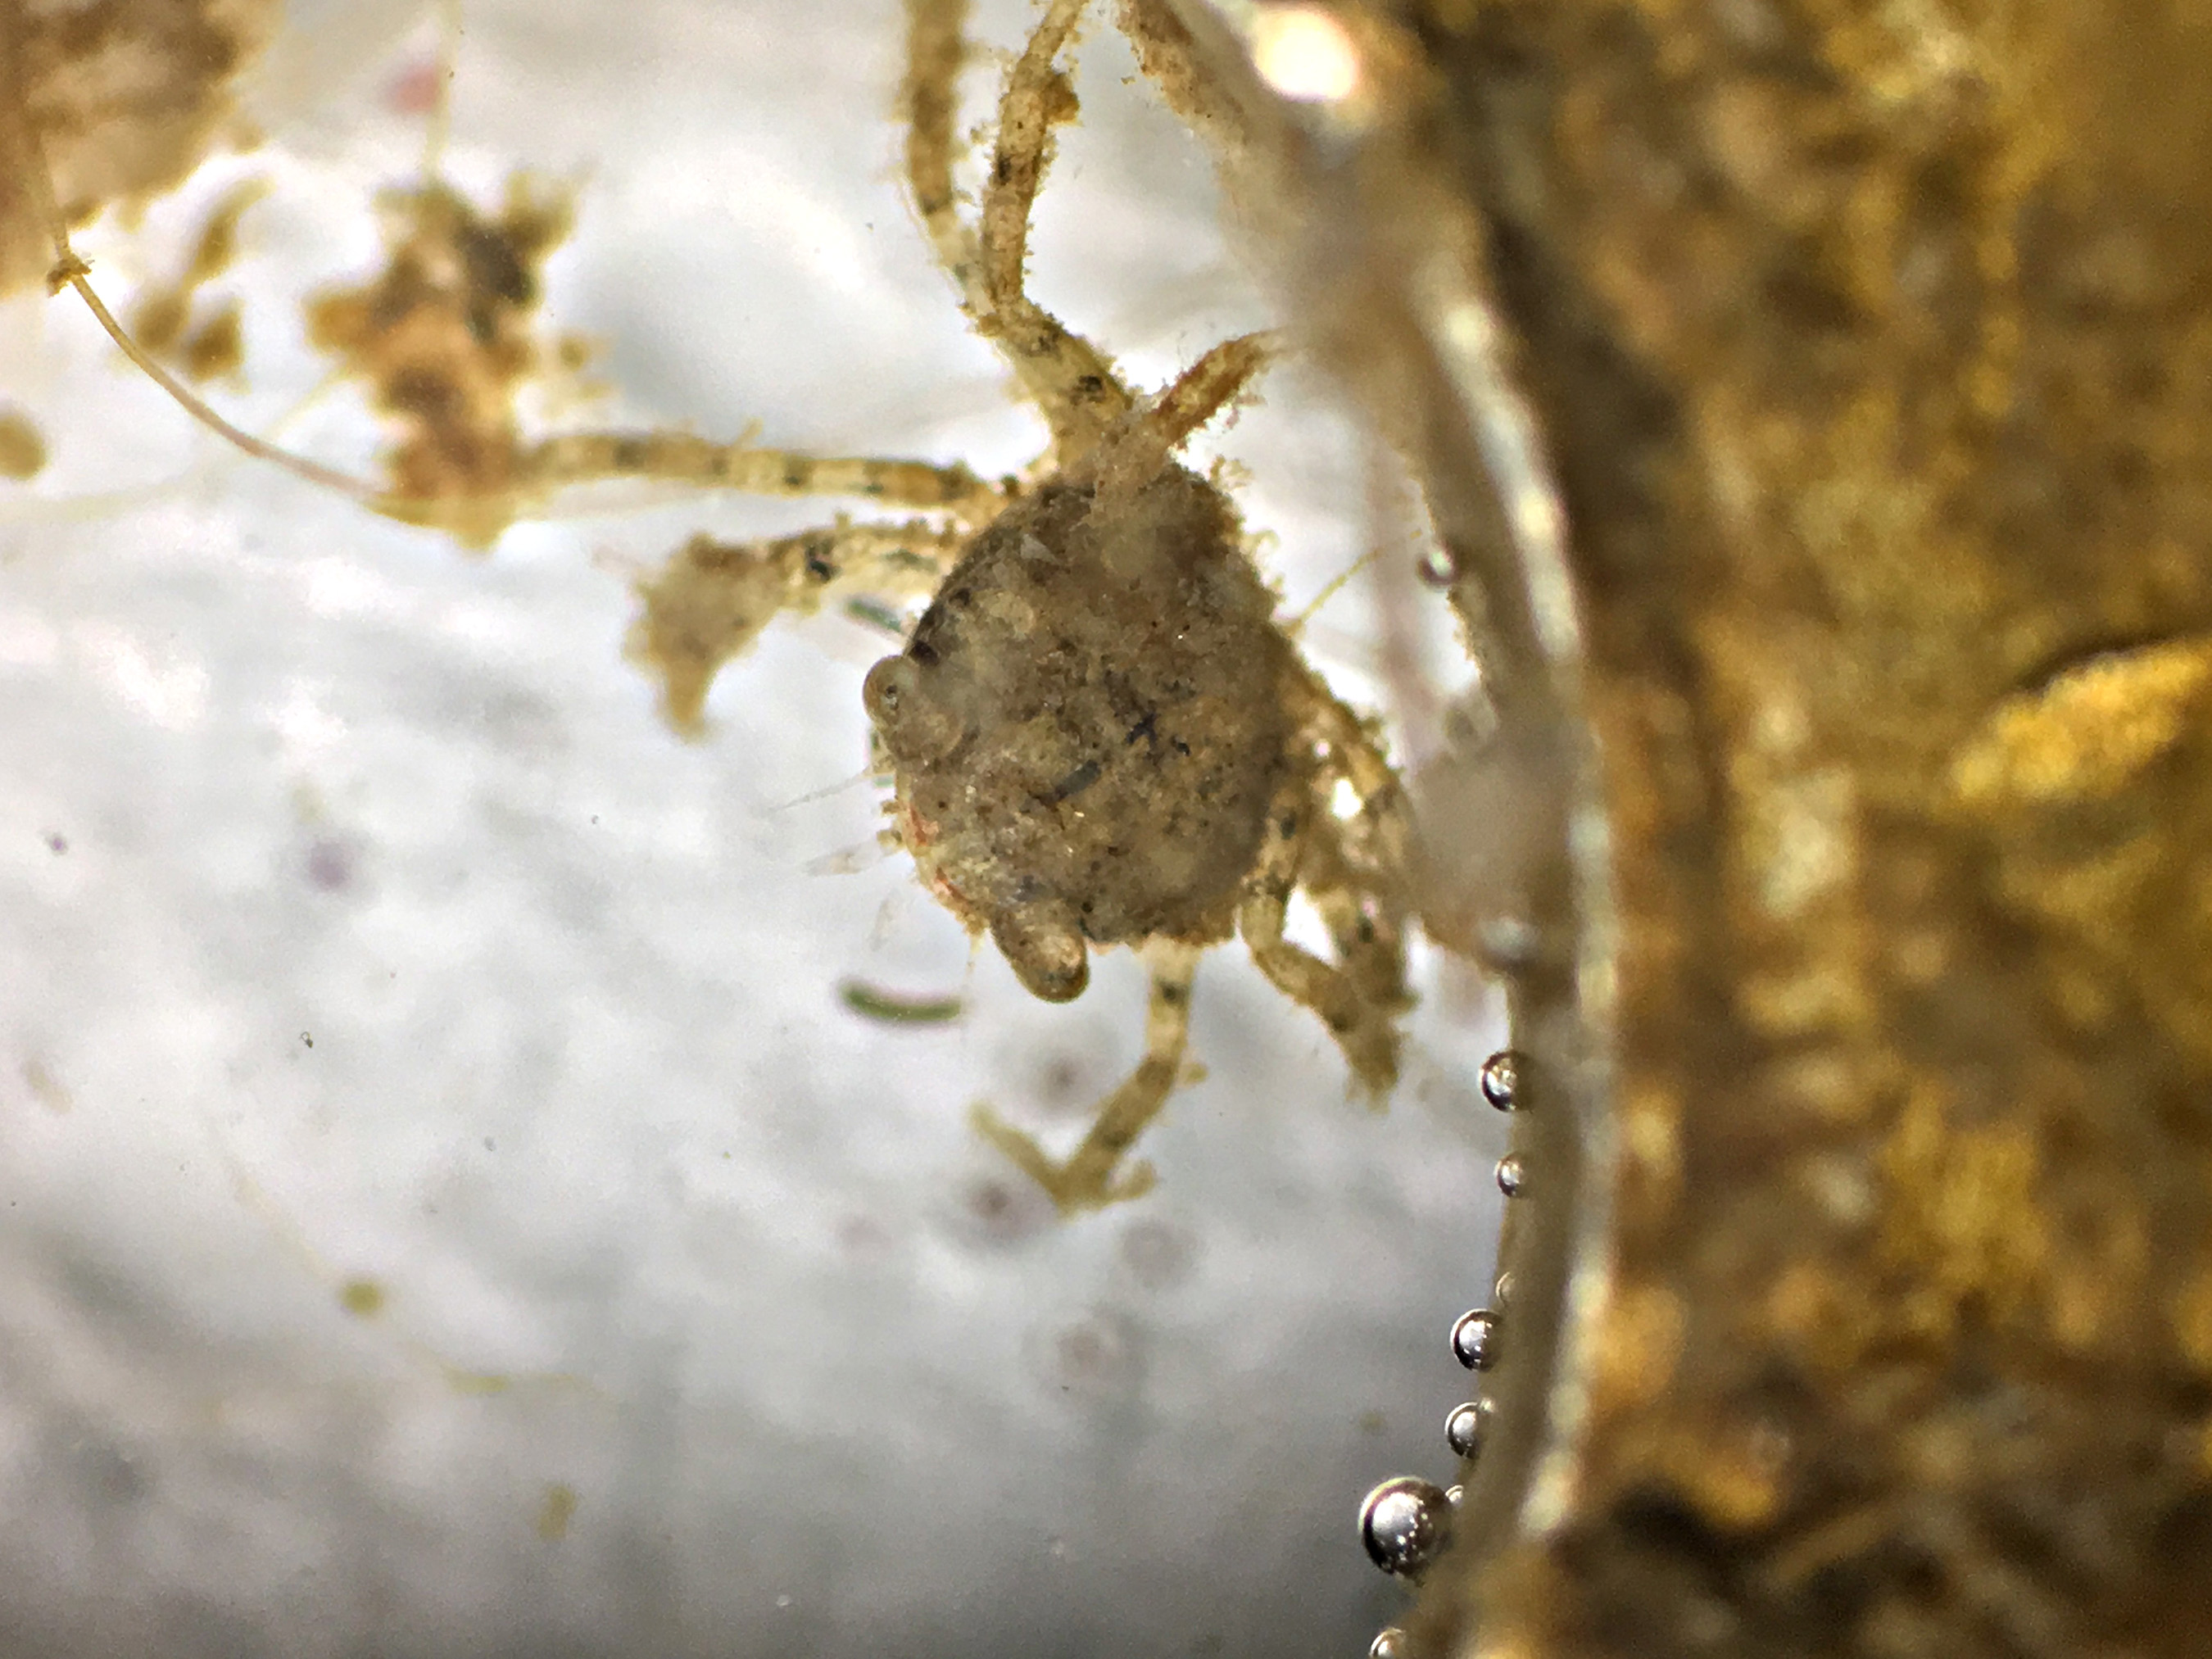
[(1502, 1292), (1501, 1075), (1437, 569), (1454, 1494), (1389, 1643), (1403, 1523), (1463, 1428), (1474, 1340), (1511, 1178)]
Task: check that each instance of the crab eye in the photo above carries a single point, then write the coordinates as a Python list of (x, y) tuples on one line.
[(916, 727)]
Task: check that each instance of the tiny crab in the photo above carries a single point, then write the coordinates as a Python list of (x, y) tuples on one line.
[(1098, 733)]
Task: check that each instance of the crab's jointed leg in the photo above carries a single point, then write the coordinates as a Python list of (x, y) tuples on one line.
[(1087, 1179), (710, 601), (1360, 998), (1140, 445), (681, 458), (1070, 381)]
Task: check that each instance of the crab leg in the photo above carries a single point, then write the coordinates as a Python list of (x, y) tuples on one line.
[(1087, 1179)]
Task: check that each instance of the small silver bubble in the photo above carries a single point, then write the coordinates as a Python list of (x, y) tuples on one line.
[(1403, 1522), (1502, 1292), (1454, 1494), (1463, 1428), (1389, 1643), (1437, 569), (1511, 1178), (1474, 1340), (1501, 1075)]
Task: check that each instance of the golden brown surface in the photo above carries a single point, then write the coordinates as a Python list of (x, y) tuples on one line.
[(22, 450), (444, 338), (1871, 347), (121, 99), (163, 314)]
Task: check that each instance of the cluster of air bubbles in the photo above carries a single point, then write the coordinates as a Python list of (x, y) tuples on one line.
[(1405, 1523)]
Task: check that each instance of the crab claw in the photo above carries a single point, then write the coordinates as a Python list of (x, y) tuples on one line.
[(1045, 947)]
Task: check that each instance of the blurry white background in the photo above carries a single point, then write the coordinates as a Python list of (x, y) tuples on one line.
[(448, 1208)]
